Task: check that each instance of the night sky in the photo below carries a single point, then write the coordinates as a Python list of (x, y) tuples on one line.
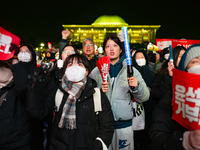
[(41, 21)]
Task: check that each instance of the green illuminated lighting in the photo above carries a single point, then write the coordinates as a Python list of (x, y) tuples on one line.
[(109, 21)]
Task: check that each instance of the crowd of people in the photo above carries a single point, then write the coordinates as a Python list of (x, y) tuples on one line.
[(79, 111)]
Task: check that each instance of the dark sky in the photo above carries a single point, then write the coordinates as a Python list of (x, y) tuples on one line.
[(41, 21)]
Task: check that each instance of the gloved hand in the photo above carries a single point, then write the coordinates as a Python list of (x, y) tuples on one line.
[(152, 56), (37, 76), (14, 47), (120, 36)]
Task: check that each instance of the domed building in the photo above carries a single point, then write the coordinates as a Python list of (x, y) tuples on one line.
[(107, 25)]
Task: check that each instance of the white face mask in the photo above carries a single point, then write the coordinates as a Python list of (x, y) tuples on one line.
[(24, 57), (166, 56), (75, 73), (141, 62), (5, 74), (195, 69)]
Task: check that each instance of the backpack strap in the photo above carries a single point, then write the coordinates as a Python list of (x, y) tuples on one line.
[(3, 96), (58, 99), (97, 100)]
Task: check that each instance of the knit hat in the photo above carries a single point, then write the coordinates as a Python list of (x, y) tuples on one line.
[(192, 52)]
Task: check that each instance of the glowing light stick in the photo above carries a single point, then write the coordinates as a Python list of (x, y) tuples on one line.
[(171, 54), (126, 45), (128, 53)]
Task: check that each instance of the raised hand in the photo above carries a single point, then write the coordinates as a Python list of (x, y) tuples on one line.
[(65, 34)]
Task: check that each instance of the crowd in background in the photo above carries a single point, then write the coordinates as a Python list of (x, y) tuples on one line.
[(49, 98)]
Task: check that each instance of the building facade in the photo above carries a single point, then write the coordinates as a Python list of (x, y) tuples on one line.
[(105, 26)]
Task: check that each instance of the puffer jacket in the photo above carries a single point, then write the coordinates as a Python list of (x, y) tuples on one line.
[(119, 95)]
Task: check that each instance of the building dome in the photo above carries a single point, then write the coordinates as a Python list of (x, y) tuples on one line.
[(110, 21)]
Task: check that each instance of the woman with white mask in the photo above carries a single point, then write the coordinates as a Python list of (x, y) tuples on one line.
[(75, 125), (28, 57), (140, 61), (165, 132)]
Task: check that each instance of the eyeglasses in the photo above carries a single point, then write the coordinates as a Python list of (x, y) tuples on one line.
[(91, 44), (68, 52)]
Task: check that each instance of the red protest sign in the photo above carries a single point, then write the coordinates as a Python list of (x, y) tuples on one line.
[(6, 38), (163, 43), (103, 64), (186, 99)]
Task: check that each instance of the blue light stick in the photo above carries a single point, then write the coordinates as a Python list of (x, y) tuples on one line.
[(126, 45), (128, 54), (171, 54)]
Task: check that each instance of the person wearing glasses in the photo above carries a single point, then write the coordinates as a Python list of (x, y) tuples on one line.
[(88, 48), (66, 51), (89, 52)]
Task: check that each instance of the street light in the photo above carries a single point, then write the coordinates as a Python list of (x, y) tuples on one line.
[(41, 44)]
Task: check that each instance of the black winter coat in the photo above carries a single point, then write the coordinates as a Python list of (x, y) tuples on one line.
[(14, 122), (159, 86), (142, 135), (165, 133), (89, 125)]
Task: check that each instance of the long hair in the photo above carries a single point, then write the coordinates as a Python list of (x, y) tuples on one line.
[(176, 51)]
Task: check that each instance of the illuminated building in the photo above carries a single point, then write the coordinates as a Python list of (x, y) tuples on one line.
[(105, 26)]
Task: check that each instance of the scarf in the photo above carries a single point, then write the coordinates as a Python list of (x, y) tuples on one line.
[(89, 57), (68, 117)]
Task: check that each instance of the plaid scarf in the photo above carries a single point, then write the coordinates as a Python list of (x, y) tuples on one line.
[(68, 117)]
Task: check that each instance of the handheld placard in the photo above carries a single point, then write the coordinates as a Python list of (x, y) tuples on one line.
[(171, 54), (128, 53)]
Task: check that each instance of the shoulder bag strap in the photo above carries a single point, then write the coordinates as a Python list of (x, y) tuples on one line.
[(3, 96)]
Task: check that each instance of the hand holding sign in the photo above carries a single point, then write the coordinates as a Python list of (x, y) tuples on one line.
[(104, 87), (8, 44), (103, 65)]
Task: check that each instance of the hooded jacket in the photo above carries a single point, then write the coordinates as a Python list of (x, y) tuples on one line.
[(119, 92), (166, 133), (147, 75), (31, 64), (145, 70), (36, 125)]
